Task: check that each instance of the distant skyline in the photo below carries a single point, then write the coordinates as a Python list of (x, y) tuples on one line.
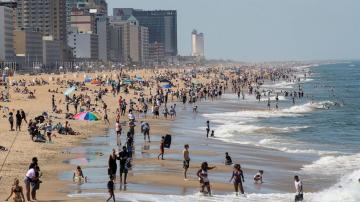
[(264, 30)]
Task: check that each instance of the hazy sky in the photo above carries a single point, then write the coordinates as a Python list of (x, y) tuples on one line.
[(253, 30)]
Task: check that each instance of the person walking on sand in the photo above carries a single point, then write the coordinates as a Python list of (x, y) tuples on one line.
[(299, 189), (162, 148), (110, 186), (204, 178), (23, 116), (48, 130), (186, 162), (11, 121), (238, 177), (18, 121), (106, 118), (17, 191)]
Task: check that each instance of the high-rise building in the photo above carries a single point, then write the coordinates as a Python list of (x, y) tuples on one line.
[(197, 44), (156, 54), (6, 34), (129, 41), (44, 16), (83, 21), (162, 25), (85, 45), (96, 7), (103, 32), (28, 47), (144, 45), (51, 49)]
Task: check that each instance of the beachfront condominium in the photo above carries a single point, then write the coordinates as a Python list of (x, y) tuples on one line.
[(197, 44), (28, 47), (162, 25), (103, 32), (129, 41), (85, 45), (44, 16), (6, 35)]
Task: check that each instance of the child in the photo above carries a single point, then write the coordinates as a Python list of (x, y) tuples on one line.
[(259, 176), (212, 133), (110, 186)]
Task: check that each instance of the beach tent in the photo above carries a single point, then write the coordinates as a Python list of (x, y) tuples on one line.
[(167, 86), (87, 116), (165, 80), (138, 78), (87, 79), (127, 81), (70, 90)]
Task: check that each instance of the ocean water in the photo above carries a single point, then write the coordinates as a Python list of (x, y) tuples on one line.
[(321, 130)]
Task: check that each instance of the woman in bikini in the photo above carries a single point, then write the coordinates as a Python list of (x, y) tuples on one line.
[(238, 177), (203, 177), (17, 191)]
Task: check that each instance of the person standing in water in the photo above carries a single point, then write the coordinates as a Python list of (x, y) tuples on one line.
[(299, 189), (203, 177), (207, 128), (186, 162), (162, 148), (238, 177), (112, 166), (110, 186)]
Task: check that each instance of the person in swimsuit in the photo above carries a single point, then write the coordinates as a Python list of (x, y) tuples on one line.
[(238, 178), (17, 191), (78, 175), (162, 148), (118, 129), (110, 186), (203, 177), (186, 162), (259, 177), (112, 164)]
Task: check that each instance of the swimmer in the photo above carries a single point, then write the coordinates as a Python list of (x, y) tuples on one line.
[(259, 177), (228, 160)]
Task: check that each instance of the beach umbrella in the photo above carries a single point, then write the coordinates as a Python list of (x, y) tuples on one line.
[(86, 116), (70, 90)]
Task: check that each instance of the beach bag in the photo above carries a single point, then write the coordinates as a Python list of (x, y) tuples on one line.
[(167, 141)]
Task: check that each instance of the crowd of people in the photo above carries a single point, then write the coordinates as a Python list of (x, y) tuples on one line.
[(181, 87)]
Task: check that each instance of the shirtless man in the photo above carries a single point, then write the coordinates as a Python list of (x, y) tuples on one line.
[(186, 162)]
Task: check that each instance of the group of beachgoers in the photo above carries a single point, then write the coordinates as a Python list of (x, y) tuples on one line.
[(163, 101), (31, 181), (192, 94)]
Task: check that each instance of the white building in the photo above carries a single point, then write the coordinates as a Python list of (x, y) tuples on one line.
[(51, 50), (6, 34), (197, 44), (85, 45)]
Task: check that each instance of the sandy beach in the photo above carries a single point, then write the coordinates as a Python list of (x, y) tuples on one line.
[(96, 139)]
